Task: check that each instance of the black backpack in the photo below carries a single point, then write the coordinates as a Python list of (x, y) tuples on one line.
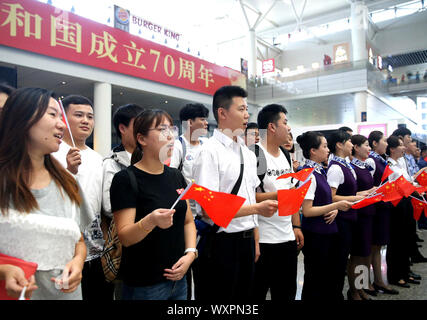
[(262, 162)]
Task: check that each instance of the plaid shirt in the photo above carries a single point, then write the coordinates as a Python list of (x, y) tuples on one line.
[(411, 164)]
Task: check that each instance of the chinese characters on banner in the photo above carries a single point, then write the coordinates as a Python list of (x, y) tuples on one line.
[(44, 29)]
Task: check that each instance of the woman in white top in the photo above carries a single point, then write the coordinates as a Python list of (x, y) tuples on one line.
[(40, 217)]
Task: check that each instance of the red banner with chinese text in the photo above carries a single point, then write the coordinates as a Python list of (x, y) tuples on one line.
[(44, 29)]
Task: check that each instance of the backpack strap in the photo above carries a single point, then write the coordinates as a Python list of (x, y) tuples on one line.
[(261, 164), (133, 182), (184, 151), (287, 155), (237, 185)]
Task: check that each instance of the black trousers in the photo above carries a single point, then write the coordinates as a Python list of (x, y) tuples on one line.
[(399, 248), (345, 238), (320, 269), (228, 272), (94, 285), (276, 269)]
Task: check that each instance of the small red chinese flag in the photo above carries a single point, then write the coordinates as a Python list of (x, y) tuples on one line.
[(29, 269), (386, 173), (367, 201), (422, 179), (301, 175), (221, 207), (390, 192), (396, 202), (419, 206), (421, 189), (167, 162), (405, 187), (291, 200)]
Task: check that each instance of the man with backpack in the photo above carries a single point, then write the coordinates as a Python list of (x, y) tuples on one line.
[(193, 117), (279, 237), (117, 160)]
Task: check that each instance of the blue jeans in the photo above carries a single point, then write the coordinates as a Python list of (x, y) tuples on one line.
[(168, 290)]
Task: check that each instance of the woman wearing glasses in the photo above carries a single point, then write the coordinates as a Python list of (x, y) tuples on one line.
[(158, 243)]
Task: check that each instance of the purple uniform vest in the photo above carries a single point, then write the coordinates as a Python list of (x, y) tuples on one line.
[(379, 170), (322, 197), (348, 188), (365, 181)]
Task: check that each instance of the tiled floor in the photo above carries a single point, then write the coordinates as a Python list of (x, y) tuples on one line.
[(415, 292)]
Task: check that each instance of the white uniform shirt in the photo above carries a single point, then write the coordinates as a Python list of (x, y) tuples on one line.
[(335, 175), (399, 168), (275, 229), (191, 153), (217, 168), (89, 176), (371, 163)]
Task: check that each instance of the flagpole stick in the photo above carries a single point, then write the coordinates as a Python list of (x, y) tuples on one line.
[(22, 296), (66, 122), (419, 199), (182, 194)]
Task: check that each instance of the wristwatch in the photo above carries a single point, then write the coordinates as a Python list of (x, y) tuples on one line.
[(196, 252)]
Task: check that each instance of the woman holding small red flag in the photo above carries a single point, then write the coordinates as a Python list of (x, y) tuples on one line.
[(342, 180), (318, 224), (159, 244), (42, 215), (381, 219)]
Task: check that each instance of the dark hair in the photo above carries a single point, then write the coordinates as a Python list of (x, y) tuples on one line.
[(142, 124), (7, 89), (401, 132), (22, 110), (423, 148), (75, 99), (270, 114), (357, 140), (337, 136), (251, 125), (346, 129), (124, 115), (309, 140), (193, 111), (292, 150), (392, 142), (223, 98), (375, 136)]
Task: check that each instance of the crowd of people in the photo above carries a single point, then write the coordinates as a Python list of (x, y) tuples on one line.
[(58, 197)]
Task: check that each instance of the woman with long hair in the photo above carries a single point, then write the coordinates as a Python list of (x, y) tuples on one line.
[(381, 219), (318, 224), (41, 219), (159, 244)]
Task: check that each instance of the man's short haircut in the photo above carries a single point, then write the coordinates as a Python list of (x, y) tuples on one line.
[(75, 99), (7, 89), (401, 132), (270, 114), (346, 129), (251, 125), (124, 115), (223, 98), (193, 111)]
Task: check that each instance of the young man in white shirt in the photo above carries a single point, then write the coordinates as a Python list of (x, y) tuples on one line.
[(279, 237), (193, 117), (86, 165), (227, 265), (119, 158)]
